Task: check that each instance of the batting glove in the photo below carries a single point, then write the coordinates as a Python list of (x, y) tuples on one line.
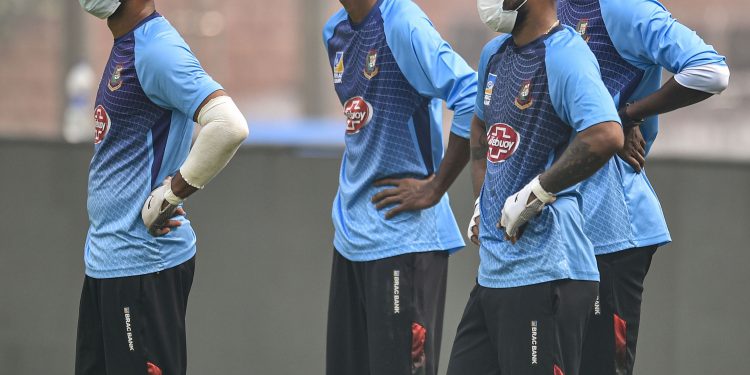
[(517, 210), (153, 215), (473, 224)]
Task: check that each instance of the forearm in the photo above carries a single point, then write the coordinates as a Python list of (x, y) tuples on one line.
[(223, 129), (479, 148), (456, 158), (668, 98), (588, 152)]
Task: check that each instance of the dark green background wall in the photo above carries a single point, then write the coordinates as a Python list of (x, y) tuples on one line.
[(259, 300)]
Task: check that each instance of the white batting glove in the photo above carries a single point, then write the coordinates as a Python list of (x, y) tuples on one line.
[(154, 217), (474, 224), (517, 212)]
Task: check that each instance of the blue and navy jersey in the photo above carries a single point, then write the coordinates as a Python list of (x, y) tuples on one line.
[(151, 88), (536, 98), (632, 40), (391, 73)]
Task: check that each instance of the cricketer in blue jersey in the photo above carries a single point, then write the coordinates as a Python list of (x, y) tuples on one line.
[(633, 40), (140, 248), (393, 223), (544, 123)]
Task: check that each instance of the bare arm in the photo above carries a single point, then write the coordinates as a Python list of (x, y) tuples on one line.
[(412, 194), (479, 148), (668, 98), (588, 152), (456, 158)]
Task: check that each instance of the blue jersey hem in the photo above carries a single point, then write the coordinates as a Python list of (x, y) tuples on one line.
[(658, 240), (613, 247), (451, 247), (537, 279), (141, 270)]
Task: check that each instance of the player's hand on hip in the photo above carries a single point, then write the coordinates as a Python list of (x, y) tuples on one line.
[(634, 152), (408, 194), (521, 207), (473, 232), (159, 209)]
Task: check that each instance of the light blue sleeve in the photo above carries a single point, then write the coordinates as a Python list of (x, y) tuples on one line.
[(430, 64), (646, 34), (330, 26), (170, 74), (575, 85), (489, 50)]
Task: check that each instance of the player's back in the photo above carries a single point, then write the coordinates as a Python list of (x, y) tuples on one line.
[(392, 130), (142, 136), (632, 40)]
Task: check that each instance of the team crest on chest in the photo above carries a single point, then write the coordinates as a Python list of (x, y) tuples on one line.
[(371, 64), (583, 28), (115, 82), (338, 67), (524, 100), (102, 123), (491, 79)]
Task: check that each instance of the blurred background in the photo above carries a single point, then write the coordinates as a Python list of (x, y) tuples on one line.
[(260, 296)]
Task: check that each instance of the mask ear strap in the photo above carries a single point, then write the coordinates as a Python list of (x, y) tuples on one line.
[(499, 10), (522, 4)]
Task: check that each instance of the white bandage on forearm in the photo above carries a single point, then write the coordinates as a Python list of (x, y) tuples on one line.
[(223, 131), (710, 78)]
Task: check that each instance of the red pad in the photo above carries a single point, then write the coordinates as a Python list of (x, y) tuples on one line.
[(153, 369), (621, 341)]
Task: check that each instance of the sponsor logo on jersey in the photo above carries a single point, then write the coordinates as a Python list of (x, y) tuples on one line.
[(534, 342), (583, 28), (503, 141), (115, 82), (338, 67), (524, 100), (491, 79), (102, 123), (358, 113), (371, 64)]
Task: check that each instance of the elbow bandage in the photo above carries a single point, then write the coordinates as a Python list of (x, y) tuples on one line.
[(710, 78), (223, 131)]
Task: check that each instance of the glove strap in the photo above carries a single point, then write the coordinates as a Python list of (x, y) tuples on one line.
[(540, 193), (172, 198)]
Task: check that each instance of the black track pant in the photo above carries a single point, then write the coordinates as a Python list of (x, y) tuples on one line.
[(385, 317), (134, 325), (609, 348), (529, 330)]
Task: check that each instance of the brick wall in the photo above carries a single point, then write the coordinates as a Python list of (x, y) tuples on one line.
[(253, 47)]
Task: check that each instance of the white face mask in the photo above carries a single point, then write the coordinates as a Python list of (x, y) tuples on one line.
[(492, 14), (100, 8)]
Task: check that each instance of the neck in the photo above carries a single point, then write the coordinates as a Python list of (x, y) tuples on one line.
[(358, 9), (128, 15), (536, 22)]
